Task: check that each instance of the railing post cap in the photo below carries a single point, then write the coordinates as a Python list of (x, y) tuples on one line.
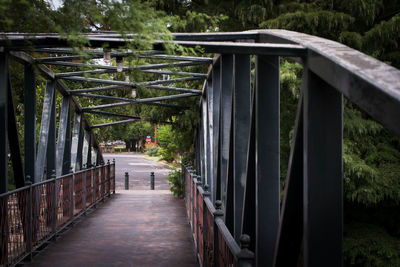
[(71, 170), (218, 208), (152, 173), (108, 162), (28, 180), (126, 173), (245, 253), (53, 174)]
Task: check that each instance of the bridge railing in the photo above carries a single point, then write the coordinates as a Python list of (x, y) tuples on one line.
[(215, 246), (36, 213)]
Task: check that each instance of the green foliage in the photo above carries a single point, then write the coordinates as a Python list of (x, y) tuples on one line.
[(370, 245), (175, 180), (322, 22), (152, 151)]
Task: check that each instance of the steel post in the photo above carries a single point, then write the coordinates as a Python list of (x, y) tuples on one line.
[(126, 181), (152, 180)]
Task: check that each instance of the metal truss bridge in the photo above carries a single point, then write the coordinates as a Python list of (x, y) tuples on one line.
[(232, 189)]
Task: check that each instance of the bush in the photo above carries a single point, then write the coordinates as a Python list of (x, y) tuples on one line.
[(152, 151), (167, 154), (176, 182)]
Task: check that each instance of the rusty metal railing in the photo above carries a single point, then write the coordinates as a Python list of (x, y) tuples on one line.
[(34, 214), (215, 245)]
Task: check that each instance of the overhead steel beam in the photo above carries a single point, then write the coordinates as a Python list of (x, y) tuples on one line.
[(139, 67), (44, 130), (129, 84), (183, 58), (194, 91), (95, 52), (123, 84), (113, 123), (109, 114), (249, 48), (132, 103), (176, 73), (138, 101)]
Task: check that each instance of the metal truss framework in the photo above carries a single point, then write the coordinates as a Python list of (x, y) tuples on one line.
[(237, 143)]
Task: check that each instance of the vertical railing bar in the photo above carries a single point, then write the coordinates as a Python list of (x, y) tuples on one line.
[(84, 188)]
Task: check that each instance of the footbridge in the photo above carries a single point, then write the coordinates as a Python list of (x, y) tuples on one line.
[(236, 210)]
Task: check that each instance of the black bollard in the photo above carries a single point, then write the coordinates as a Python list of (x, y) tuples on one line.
[(152, 180), (126, 181)]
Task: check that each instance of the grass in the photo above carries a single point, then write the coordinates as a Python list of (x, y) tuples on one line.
[(173, 165)]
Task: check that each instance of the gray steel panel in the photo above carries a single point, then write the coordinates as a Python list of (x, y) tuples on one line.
[(63, 134), (51, 144), (85, 147), (44, 130), (225, 117), (3, 123), (29, 120), (241, 133), (267, 157), (13, 138), (75, 140), (323, 173)]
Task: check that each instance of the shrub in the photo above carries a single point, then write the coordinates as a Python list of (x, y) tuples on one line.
[(176, 183), (152, 151), (167, 154)]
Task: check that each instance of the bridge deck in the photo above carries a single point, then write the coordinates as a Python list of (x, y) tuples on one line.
[(134, 228)]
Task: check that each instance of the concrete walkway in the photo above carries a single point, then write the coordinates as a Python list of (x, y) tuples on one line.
[(133, 228)]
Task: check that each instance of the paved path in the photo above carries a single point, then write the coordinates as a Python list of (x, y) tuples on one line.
[(133, 228), (139, 169)]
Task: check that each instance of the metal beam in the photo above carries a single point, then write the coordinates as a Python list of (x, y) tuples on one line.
[(267, 159), (51, 145), (290, 232), (30, 120), (248, 48), (110, 114), (13, 138), (241, 132), (75, 141), (130, 84), (132, 103), (138, 67), (323, 173), (85, 148), (167, 72), (137, 100), (64, 134), (114, 123), (183, 90), (44, 130), (226, 84), (3, 124)]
